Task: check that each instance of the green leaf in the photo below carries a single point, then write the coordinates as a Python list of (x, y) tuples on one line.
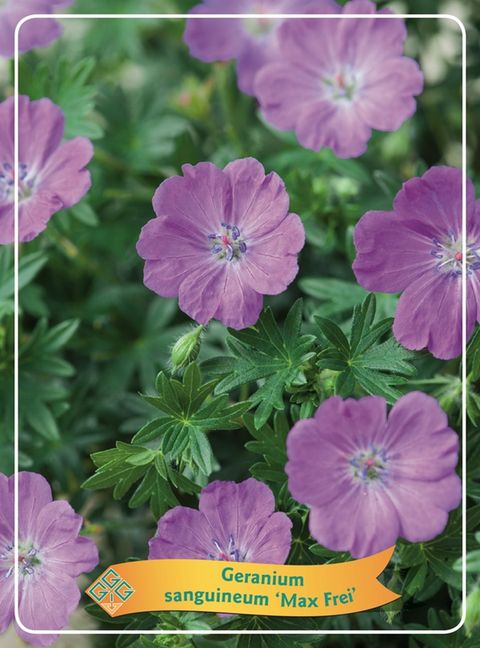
[(389, 356), (364, 360), (177, 443), (265, 352), (152, 430), (43, 393), (66, 83), (270, 442), (201, 452), (473, 355), (41, 419), (126, 464), (337, 296), (415, 579), (334, 335), (444, 569), (28, 268), (363, 317), (374, 382)]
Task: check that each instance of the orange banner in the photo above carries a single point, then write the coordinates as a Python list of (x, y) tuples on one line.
[(243, 588)]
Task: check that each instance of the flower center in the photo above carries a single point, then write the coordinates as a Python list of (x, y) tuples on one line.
[(369, 465), (263, 25), (449, 254), (229, 553), (228, 243), (342, 85), (28, 559), (26, 182)]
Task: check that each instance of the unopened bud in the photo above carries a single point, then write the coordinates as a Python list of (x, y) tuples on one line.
[(186, 348)]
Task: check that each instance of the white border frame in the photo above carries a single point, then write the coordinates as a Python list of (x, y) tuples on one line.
[(177, 16)]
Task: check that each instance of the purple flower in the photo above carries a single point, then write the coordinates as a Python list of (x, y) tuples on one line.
[(51, 556), (52, 174), (369, 480), (337, 79), (34, 33), (416, 249), (234, 522), (221, 240), (252, 42)]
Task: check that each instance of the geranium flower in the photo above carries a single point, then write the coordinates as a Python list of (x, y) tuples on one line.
[(52, 174), (221, 240), (337, 79), (416, 249), (369, 480), (34, 33), (51, 556), (252, 42), (234, 522)]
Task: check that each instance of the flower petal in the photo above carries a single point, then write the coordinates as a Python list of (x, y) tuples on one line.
[(283, 90), (424, 506), (6, 511), (200, 200), (164, 277), (34, 494), (7, 122), (46, 603), (341, 128), (436, 200), (73, 558), (216, 39), (237, 510), (259, 202), (239, 305), (6, 224), (316, 467), (418, 439), (254, 55), (56, 523), (429, 315), (202, 290), (164, 238), (319, 450), (6, 600), (272, 542), (65, 171), (41, 128), (361, 521), (391, 252), (182, 533), (388, 97), (34, 213), (270, 264), (370, 43)]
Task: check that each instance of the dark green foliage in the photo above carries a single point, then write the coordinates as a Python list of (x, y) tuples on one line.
[(363, 359), (266, 351), (170, 446)]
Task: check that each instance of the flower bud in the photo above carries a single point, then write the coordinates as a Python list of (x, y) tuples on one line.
[(186, 348)]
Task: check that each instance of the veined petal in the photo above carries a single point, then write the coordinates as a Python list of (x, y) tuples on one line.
[(429, 315), (391, 253), (182, 533), (259, 202), (65, 171), (239, 305), (424, 505)]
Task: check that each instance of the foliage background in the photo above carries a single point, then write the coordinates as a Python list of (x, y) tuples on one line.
[(93, 337)]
